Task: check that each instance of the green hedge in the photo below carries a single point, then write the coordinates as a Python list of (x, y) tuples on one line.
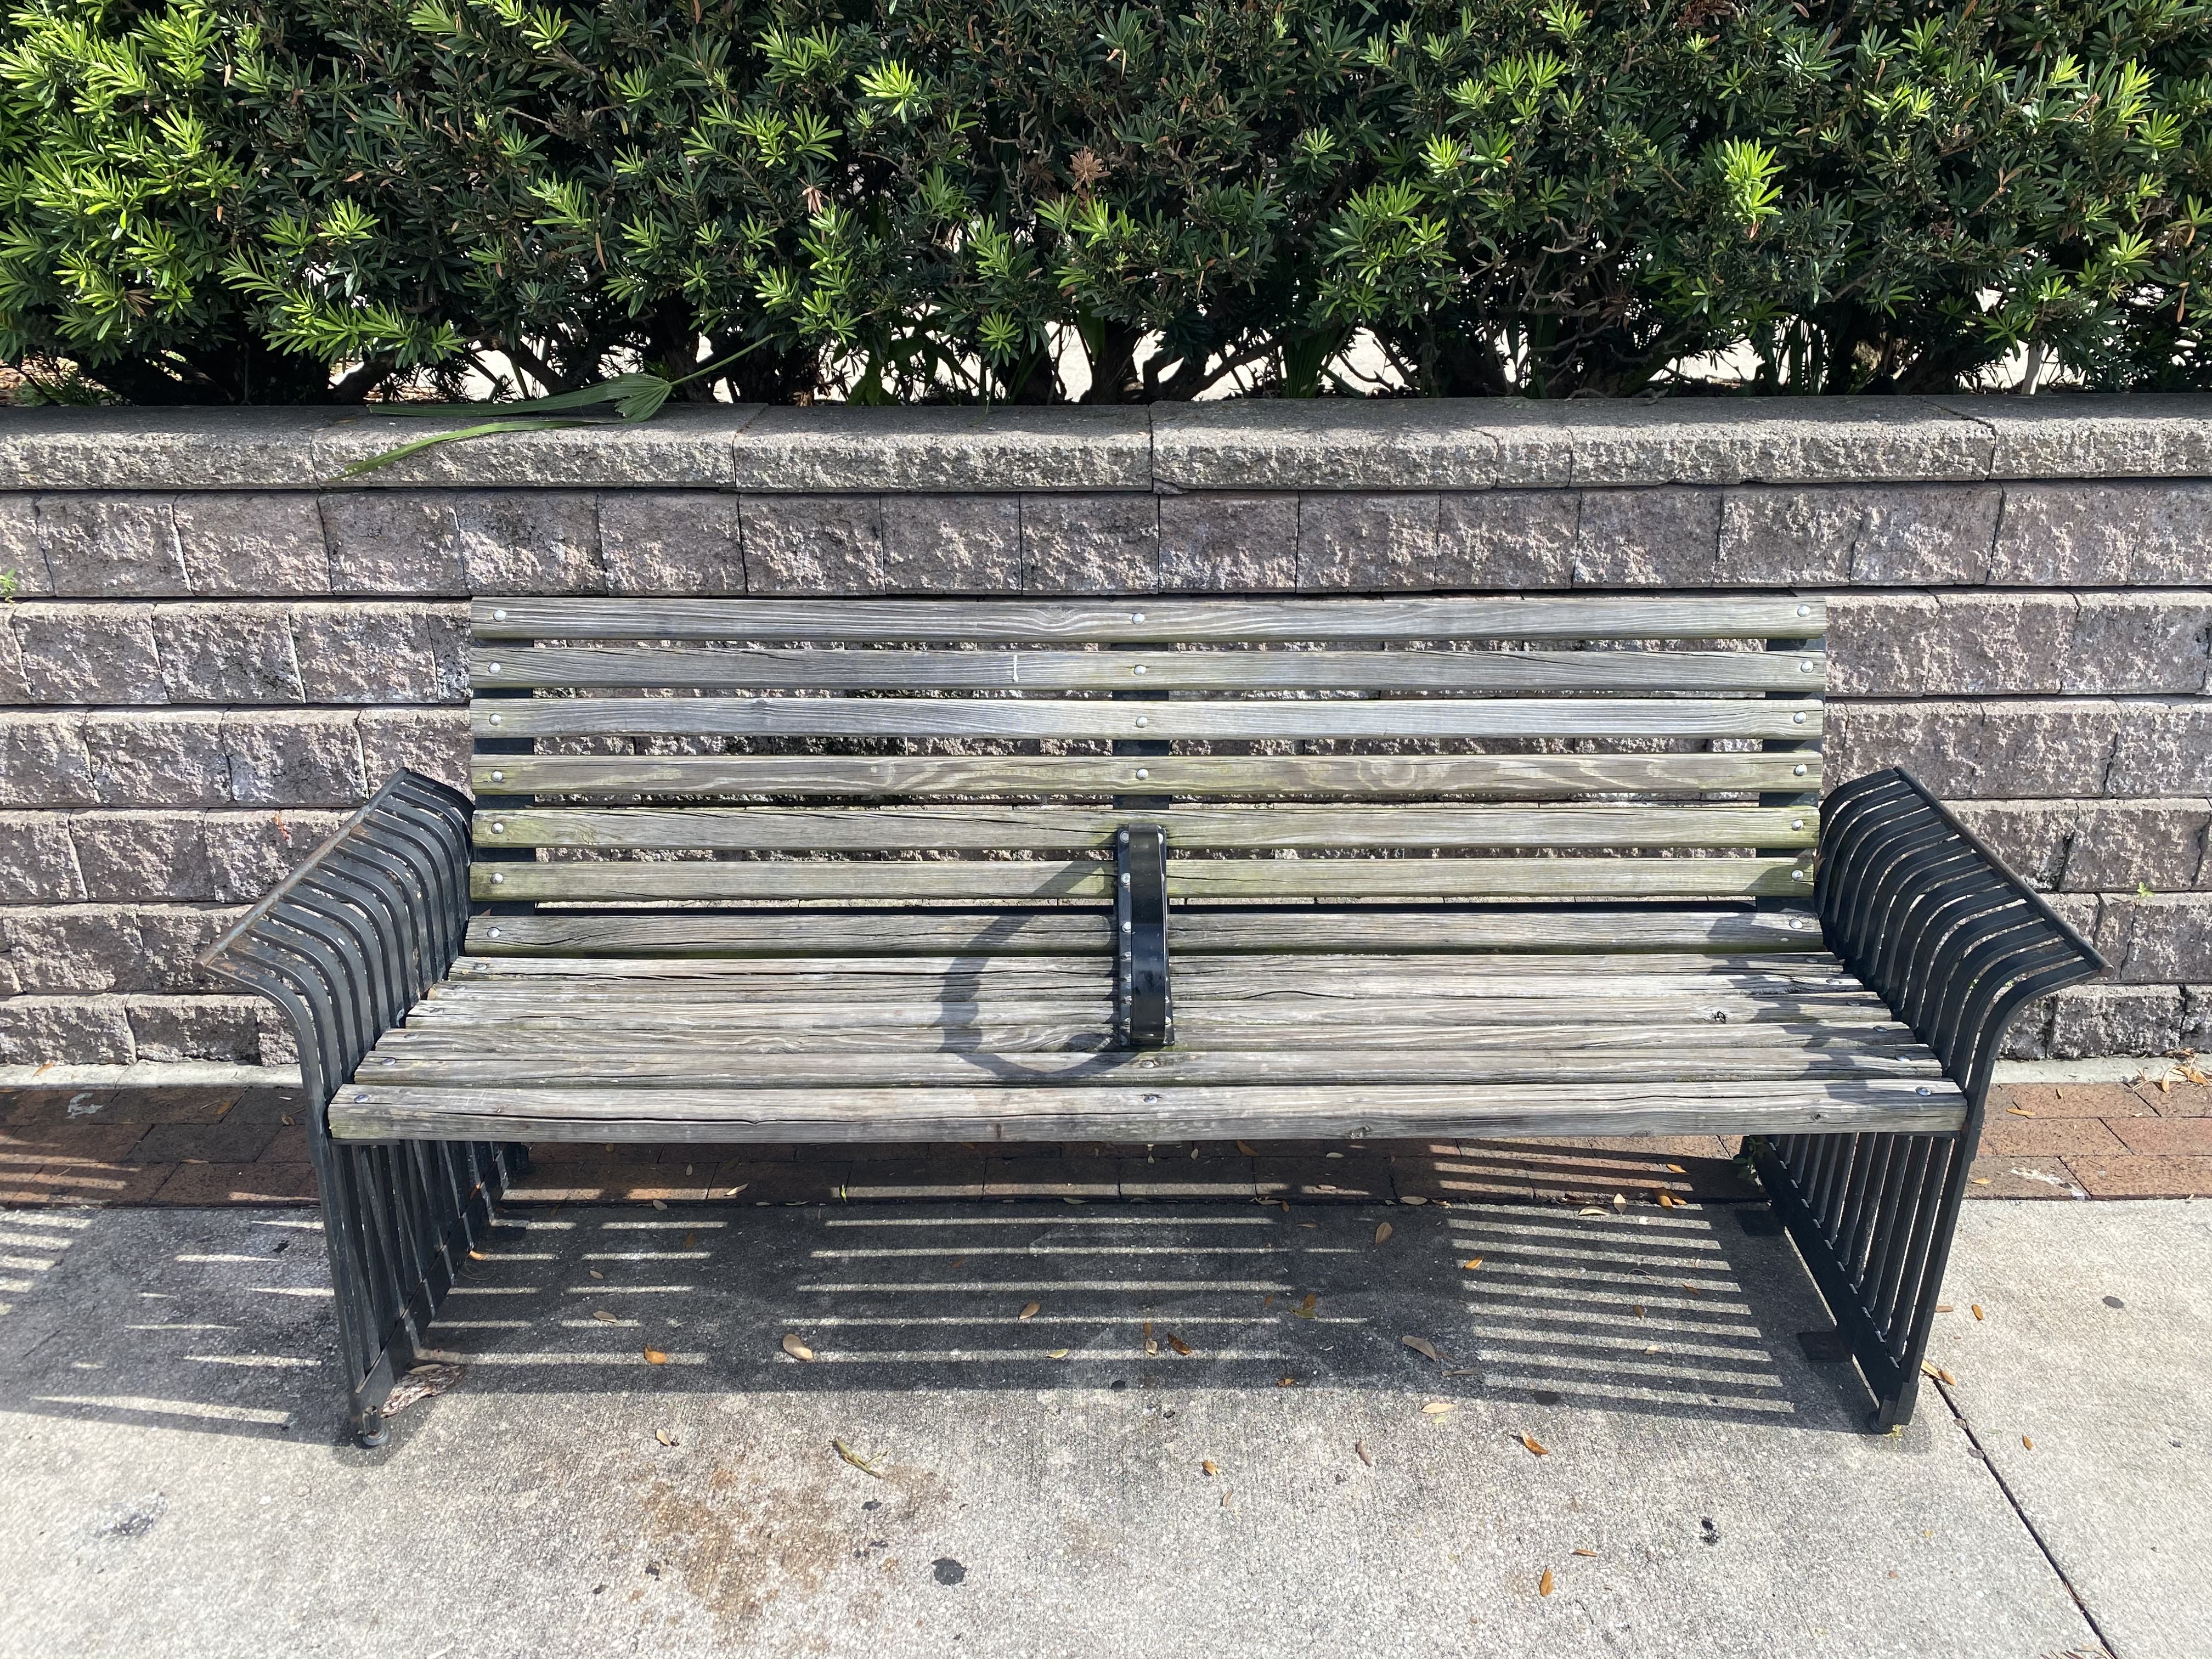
[(217, 200)]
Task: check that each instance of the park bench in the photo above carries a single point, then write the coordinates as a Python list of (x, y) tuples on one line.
[(1149, 870)]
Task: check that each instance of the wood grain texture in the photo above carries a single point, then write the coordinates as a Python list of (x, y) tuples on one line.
[(1139, 622)]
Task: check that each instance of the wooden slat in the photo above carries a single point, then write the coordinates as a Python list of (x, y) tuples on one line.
[(977, 827), (1161, 1112), (1291, 930), (607, 880), (506, 668), (1524, 776), (1147, 620), (1397, 719)]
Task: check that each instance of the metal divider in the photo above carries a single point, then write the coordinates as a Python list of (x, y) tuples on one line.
[(1932, 923)]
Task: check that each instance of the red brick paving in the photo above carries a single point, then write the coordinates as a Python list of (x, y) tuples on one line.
[(218, 1147)]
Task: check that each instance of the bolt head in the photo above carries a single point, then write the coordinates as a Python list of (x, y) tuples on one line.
[(1804, 609), (1136, 616), (1806, 666), (491, 668), (499, 825), (499, 777), (1794, 720), (1151, 1100), (1142, 773), (494, 933), (1797, 771), (1925, 1090), (498, 616), (1795, 875), (495, 719), (1797, 823), (1140, 669), (497, 880)]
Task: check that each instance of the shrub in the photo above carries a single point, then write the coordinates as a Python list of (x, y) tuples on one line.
[(219, 200)]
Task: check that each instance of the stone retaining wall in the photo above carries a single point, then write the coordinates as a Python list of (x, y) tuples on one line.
[(211, 651)]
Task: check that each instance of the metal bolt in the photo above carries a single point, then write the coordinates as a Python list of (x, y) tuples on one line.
[(359, 1097), (1136, 616), (1154, 1100), (1139, 669), (497, 880), (499, 825), (1795, 875), (494, 933), (1123, 834), (1794, 720), (1924, 1090), (1797, 771), (1125, 878), (1804, 609), (1797, 823), (1142, 721), (498, 616), (1125, 926), (495, 719), (499, 777), (1806, 666), (1142, 773)]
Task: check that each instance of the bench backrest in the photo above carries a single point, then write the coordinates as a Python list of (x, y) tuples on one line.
[(812, 754)]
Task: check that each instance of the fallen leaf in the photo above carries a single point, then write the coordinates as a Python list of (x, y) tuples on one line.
[(1591, 1553), (478, 1255), (1029, 1309), (1926, 1369), (286, 1120), (1245, 1147), (1057, 1353), (1678, 1170), (1979, 1181), (595, 1273), (1420, 1346), (1462, 1371), (1413, 1199), (1688, 1286), (1305, 1309), (1589, 1211), (664, 1437), (1544, 1583), (1211, 1466), (1178, 1345), (1360, 1449), (1620, 1200), (1536, 1448), (1227, 1492), (1286, 1382), (659, 1204), (1942, 1307), (1470, 1264), (2027, 1443), (655, 1356), (1383, 1233), (2016, 1112), (1438, 1407), (690, 1239), (795, 1348), (1977, 1311), (1639, 1310), (1667, 1199), (732, 1192), (604, 1318), (856, 1460)]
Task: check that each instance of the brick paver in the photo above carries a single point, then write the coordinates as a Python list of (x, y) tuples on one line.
[(233, 1147)]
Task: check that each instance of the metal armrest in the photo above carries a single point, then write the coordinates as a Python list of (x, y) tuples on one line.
[(1142, 1007), (1932, 922)]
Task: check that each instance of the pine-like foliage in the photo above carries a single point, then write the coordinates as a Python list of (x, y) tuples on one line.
[(219, 200)]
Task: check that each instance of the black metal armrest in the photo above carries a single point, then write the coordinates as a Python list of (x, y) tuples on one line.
[(349, 940), (1143, 1007), (1932, 922)]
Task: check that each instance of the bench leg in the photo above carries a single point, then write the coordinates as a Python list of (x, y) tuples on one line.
[(1873, 1215)]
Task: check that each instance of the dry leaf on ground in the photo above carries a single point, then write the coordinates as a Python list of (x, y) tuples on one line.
[(1977, 1311), (1383, 1233), (1245, 1147), (1438, 1407), (1421, 1346), (420, 1383), (1536, 1446), (1305, 1309), (659, 1203), (1620, 1200), (1413, 1199), (1057, 1353), (856, 1460), (655, 1356), (1470, 1264), (2027, 1443), (1544, 1583), (595, 1273), (1678, 1168), (1029, 1309), (1286, 1382), (1210, 1467), (795, 1348), (664, 1437), (604, 1318), (1591, 1553), (1178, 1345), (1667, 1199), (1360, 1448)]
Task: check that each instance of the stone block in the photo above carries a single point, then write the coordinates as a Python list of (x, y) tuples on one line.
[(252, 543), (22, 566), (2121, 845), (2140, 642), (1222, 543), (1089, 545), (111, 547), (114, 448), (138, 855), (1660, 537), (44, 760), (1002, 449), (2033, 838), (382, 653), (1507, 539), (823, 544), (68, 1030), (2089, 1021), (227, 653), (2013, 750), (38, 865), (14, 690), (1873, 535), (174, 937), (159, 757), (952, 544), (2164, 939), (1879, 643), (685, 444), (2075, 436), (88, 654), (2161, 747), (432, 741), (2004, 643), (52, 950), (1338, 443), (1798, 440), (671, 541), (310, 757), (393, 544), (180, 1028), (1363, 544), (530, 541), (2197, 1017), (2077, 534), (250, 852)]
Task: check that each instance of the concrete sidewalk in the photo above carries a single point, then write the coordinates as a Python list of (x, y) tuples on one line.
[(174, 1480)]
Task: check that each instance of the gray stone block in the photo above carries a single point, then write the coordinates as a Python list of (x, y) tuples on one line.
[(1662, 537), (2120, 846), (952, 544), (14, 690), (1793, 440), (432, 741), (813, 543), (72, 948), (1222, 543), (2002, 643), (2163, 938), (685, 444), (671, 541), (382, 653), (2075, 534), (131, 856), (111, 547), (2134, 434), (530, 541), (2031, 837), (252, 543), (68, 1030), (250, 852), (2140, 642), (1873, 535), (310, 757), (73, 653), (1510, 539), (22, 566), (1341, 443), (169, 1029), (1356, 544), (2162, 747), (2029, 749), (2090, 1021), (2197, 1017), (1005, 449), (1089, 544), (38, 865), (174, 937), (240, 654), (162, 758), (44, 760), (1879, 643), (390, 544), (114, 448)]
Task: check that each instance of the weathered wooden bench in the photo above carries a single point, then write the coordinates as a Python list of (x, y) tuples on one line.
[(780, 870)]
